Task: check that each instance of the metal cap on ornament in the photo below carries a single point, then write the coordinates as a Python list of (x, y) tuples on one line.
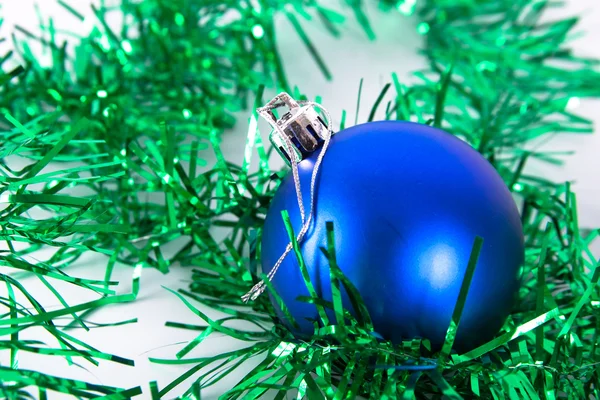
[(302, 127)]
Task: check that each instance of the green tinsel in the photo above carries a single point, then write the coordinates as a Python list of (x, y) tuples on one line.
[(108, 144)]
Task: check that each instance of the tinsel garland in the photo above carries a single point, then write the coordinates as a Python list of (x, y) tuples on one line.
[(127, 116)]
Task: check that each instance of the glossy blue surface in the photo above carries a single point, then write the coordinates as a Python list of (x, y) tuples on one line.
[(407, 201)]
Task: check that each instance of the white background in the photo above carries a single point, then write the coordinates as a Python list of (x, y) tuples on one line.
[(349, 59)]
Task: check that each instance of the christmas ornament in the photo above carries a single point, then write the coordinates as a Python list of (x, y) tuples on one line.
[(407, 201)]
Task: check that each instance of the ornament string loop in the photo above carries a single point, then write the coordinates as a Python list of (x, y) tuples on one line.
[(283, 130)]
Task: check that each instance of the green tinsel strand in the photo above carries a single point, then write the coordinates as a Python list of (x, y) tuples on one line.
[(71, 216)]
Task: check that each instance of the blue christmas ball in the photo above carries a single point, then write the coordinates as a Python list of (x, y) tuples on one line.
[(407, 202)]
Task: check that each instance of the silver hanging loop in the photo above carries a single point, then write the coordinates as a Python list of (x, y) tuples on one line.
[(297, 134)]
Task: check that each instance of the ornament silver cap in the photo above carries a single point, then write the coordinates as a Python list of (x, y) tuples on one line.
[(301, 124)]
